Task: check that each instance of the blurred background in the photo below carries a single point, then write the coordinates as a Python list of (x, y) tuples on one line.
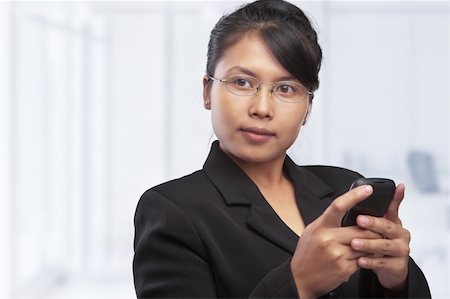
[(101, 100)]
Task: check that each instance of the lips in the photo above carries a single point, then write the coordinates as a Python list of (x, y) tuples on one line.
[(256, 135), (258, 131)]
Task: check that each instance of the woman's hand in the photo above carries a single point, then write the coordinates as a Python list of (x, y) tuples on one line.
[(324, 257), (390, 254)]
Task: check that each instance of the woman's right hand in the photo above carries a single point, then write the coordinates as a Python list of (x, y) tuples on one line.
[(324, 258)]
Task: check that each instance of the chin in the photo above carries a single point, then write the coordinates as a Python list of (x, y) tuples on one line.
[(257, 155)]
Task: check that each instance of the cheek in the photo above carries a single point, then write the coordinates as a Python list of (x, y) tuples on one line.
[(219, 111), (218, 119), (224, 107), (292, 122), (224, 115), (292, 133), (295, 117)]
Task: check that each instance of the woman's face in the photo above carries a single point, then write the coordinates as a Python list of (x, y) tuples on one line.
[(256, 128)]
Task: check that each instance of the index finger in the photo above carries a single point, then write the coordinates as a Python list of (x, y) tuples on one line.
[(332, 216), (392, 211)]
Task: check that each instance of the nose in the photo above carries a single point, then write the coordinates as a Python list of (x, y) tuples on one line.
[(262, 103)]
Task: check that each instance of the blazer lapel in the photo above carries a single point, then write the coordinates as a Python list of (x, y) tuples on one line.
[(313, 195), (263, 219), (238, 189)]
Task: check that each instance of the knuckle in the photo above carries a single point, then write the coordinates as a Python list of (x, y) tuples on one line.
[(335, 254), (405, 250), (338, 207), (387, 247), (324, 247), (381, 264), (407, 235), (390, 227)]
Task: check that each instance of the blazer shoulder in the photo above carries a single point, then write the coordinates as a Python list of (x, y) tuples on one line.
[(327, 170), (189, 187), (338, 178), (181, 182)]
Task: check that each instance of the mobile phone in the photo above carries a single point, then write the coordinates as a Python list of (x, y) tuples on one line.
[(376, 204)]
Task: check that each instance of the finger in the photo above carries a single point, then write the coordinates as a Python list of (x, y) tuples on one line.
[(345, 252), (382, 263), (332, 216), (344, 235), (391, 272), (354, 255), (383, 226), (392, 211), (381, 247)]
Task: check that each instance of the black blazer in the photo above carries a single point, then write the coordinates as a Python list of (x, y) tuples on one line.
[(212, 234)]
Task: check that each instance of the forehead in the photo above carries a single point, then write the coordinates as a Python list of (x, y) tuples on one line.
[(250, 52)]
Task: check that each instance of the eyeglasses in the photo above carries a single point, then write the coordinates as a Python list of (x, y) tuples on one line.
[(245, 85)]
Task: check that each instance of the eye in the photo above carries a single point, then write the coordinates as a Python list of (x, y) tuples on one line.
[(285, 88), (240, 82)]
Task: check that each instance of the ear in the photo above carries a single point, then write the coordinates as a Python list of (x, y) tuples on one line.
[(308, 112), (206, 92)]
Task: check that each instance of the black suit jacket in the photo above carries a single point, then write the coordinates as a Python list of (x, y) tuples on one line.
[(212, 234)]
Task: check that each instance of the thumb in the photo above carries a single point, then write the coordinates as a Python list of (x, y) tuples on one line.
[(392, 211), (332, 216)]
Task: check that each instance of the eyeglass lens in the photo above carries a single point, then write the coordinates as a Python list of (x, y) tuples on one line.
[(287, 91)]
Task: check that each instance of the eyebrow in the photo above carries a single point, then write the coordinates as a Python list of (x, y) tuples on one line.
[(242, 70), (246, 71)]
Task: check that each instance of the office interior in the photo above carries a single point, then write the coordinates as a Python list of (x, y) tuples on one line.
[(101, 100)]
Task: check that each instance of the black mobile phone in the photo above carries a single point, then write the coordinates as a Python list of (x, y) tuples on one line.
[(376, 204)]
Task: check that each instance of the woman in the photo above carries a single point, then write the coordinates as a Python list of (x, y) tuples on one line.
[(251, 223)]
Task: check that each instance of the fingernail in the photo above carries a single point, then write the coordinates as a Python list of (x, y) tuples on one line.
[(368, 189), (357, 243), (363, 220), (363, 262)]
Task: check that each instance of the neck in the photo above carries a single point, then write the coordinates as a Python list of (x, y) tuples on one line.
[(266, 175)]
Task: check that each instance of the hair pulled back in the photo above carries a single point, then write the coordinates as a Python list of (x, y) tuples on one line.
[(284, 28)]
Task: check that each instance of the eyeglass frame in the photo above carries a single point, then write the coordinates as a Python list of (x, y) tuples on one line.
[(309, 94)]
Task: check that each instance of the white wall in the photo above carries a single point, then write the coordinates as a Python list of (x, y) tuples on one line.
[(102, 100)]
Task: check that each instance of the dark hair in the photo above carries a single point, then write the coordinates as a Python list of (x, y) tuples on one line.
[(284, 28)]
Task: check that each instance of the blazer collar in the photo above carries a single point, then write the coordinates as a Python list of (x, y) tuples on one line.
[(233, 183), (313, 195), (238, 189)]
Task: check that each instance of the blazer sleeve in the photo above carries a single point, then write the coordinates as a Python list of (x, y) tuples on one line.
[(278, 283), (169, 260), (416, 285)]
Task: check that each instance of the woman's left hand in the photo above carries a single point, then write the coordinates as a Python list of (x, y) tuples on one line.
[(388, 257)]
